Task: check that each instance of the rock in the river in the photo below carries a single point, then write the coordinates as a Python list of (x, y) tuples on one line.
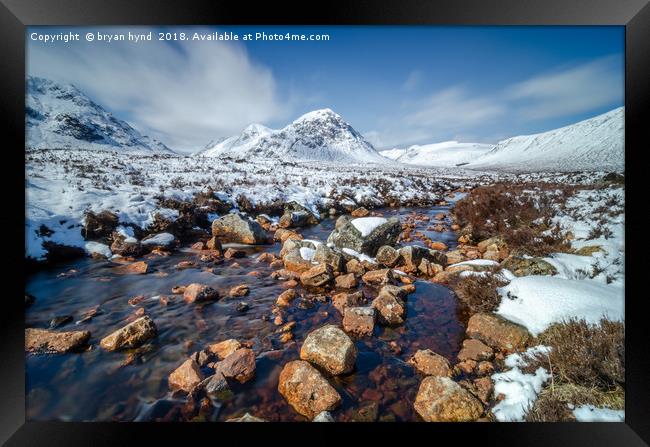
[(296, 215), (317, 276), (44, 341), (323, 416), (497, 332), (391, 309), (238, 291), (366, 234), (440, 399), (233, 253), (215, 385), (475, 350), (240, 365), (197, 293), (100, 225), (388, 256), (359, 320), (360, 212), (294, 261), (286, 297), (134, 268), (247, 418), (236, 228), (330, 348), (347, 281), (521, 266), (130, 336), (326, 255), (430, 363), (342, 300), (412, 256), (379, 278), (186, 377), (224, 348), (306, 389)]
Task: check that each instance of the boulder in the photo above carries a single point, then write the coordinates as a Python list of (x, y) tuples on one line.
[(317, 276), (342, 300), (355, 266), (391, 309), (215, 385), (239, 291), (455, 256), (430, 363), (134, 268), (224, 348), (366, 234), (294, 261), (236, 228), (497, 332), (348, 281), (296, 215), (330, 348), (186, 377), (215, 245), (306, 389), (286, 297), (388, 256), (429, 268), (160, 241), (379, 278), (326, 255), (282, 235), (47, 342), (491, 244), (475, 350), (197, 293), (130, 336), (440, 399), (521, 266), (240, 365), (100, 225), (359, 321), (412, 256), (323, 416)]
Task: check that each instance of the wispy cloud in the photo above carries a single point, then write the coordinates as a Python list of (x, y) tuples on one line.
[(413, 80), (185, 95), (457, 110)]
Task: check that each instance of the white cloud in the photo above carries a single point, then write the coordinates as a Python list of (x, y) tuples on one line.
[(413, 80), (184, 94), (570, 91)]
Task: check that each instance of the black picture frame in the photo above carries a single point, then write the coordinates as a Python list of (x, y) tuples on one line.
[(15, 15)]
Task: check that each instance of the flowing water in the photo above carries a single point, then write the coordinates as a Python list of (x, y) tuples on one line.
[(102, 386)]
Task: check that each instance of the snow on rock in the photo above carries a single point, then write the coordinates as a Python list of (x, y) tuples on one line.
[(307, 253), (160, 239), (60, 116), (589, 413), (481, 262), (519, 390), (538, 301), (318, 135), (366, 225), (596, 143), (360, 256), (98, 248)]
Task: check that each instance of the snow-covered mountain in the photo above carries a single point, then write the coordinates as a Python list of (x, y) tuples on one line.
[(445, 154), (596, 143), (319, 135), (60, 116)]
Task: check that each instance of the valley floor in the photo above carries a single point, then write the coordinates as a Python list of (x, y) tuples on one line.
[(533, 330)]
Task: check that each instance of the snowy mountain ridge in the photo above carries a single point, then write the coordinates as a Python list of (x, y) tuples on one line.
[(444, 154), (60, 116), (321, 135), (596, 143)]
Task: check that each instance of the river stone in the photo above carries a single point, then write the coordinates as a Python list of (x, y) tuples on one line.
[(224, 348), (197, 293), (347, 236), (359, 321), (306, 389), (342, 300), (475, 350), (240, 365), (294, 261), (236, 228), (387, 256), (497, 332), (247, 418), (324, 416), (391, 310), (347, 281), (186, 377), (326, 255), (45, 341), (379, 278), (330, 348), (521, 266), (411, 256), (134, 268), (430, 363), (317, 276), (440, 399), (130, 336)]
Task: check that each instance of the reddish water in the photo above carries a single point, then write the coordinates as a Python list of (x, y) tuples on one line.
[(96, 386)]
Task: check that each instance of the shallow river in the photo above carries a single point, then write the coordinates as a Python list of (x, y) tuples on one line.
[(98, 386)]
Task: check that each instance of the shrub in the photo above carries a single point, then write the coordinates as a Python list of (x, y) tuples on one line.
[(478, 293)]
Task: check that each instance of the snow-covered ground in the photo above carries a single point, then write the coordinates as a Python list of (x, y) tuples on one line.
[(445, 154), (62, 184)]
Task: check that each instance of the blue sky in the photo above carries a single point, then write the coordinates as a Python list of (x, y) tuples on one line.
[(396, 85)]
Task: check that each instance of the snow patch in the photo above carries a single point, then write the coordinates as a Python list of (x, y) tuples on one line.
[(366, 225)]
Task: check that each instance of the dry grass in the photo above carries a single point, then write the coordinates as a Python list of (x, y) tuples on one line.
[(552, 404), (478, 293), (519, 213)]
